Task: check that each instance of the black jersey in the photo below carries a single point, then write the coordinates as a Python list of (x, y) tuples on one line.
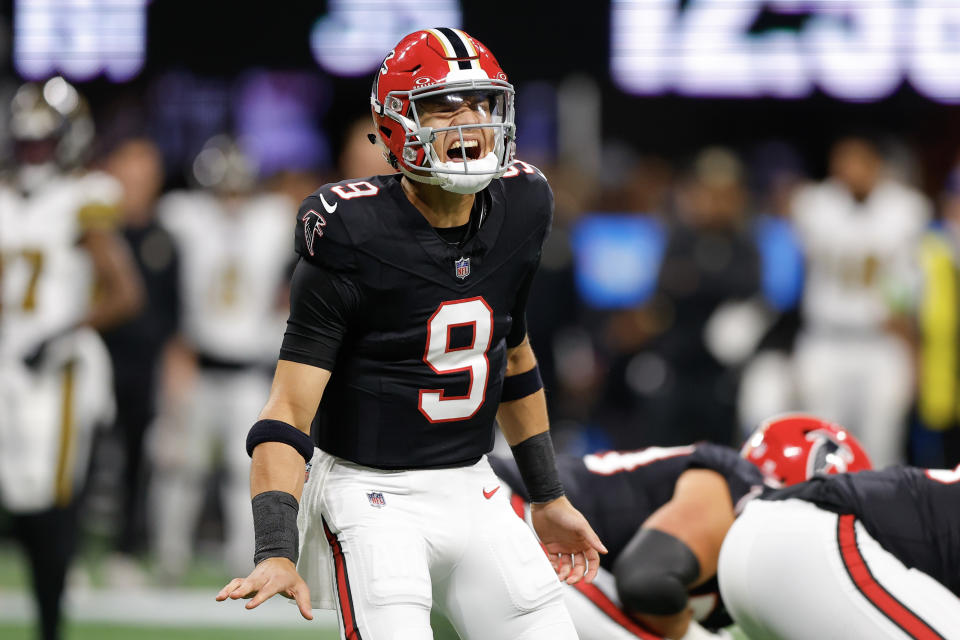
[(414, 328), (913, 513), (618, 490)]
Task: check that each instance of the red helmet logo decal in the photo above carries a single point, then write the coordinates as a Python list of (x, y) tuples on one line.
[(792, 448), (828, 454)]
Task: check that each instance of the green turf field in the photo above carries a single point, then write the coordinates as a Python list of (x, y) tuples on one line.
[(93, 631), (13, 578)]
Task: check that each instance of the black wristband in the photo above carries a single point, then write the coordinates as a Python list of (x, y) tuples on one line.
[(521, 385), (278, 431), (275, 526), (538, 467)]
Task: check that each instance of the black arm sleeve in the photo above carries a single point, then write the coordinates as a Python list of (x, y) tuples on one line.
[(653, 572), (321, 305)]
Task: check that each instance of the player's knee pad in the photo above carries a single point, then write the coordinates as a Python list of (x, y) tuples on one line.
[(525, 572), (653, 572), (556, 625), (395, 569)]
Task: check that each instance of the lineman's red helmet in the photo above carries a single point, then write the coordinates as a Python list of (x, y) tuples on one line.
[(446, 65), (795, 447)]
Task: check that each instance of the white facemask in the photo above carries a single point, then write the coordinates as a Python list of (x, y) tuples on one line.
[(481, 173)]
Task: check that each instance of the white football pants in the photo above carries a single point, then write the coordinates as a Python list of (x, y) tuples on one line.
[(222, 409), (864, 383), (47, 421), (792, 571), (404, 541)]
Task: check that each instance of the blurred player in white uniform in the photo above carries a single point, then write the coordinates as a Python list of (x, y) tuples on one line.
[(235, 252), (860, 232), (64, 274)]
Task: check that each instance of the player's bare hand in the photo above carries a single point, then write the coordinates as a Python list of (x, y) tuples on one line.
[(270, 577), (572, 545)]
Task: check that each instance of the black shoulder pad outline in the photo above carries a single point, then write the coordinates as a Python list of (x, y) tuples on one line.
[(523, 175)]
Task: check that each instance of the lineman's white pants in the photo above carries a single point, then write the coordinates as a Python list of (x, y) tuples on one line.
[(793, 571), (598, 613)]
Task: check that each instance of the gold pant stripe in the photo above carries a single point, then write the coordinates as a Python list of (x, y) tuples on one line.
[(64, 486)]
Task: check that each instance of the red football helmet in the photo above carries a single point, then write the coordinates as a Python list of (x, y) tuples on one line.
[(444, 66), (795, 447)]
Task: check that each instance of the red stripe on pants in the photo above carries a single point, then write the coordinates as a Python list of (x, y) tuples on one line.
[(883, 600), (518, 505), (343, 586), (615, 613)]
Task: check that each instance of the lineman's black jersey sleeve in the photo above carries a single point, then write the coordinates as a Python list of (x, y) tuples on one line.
[(322, 303), (743, 477)]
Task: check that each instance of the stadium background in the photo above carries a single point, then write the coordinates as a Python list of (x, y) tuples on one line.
[(183, 73)]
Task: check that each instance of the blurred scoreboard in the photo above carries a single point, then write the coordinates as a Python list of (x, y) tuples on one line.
[(855, 50), (81, 39), (852, 50)]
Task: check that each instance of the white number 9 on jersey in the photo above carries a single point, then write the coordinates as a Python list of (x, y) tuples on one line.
[(443, 358)]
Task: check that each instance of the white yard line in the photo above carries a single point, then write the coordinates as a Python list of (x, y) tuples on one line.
[(166, 607)]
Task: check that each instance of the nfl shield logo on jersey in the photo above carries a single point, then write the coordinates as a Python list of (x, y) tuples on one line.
[(376, 499), (463, 267)]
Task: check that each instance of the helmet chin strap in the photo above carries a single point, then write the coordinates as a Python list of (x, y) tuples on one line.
[(478, 175)]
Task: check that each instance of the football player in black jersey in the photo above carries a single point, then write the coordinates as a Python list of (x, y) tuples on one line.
[(406, 340), (663, 513), (874, 554)]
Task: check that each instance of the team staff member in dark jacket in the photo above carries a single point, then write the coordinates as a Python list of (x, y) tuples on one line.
[(136, 347)]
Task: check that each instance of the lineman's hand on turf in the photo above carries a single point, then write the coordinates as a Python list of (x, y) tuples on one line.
[(270, 577), (573, 547)]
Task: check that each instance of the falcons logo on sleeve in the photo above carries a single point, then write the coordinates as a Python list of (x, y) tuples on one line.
[(313, 224)]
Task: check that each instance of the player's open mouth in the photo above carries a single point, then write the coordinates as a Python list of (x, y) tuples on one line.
[(469, 150)]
